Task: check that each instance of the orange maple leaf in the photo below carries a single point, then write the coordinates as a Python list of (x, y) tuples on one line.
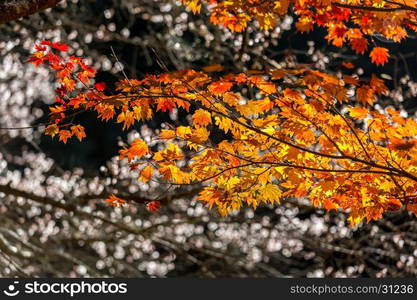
[(378, 85), (201, 117), (365, 94), (138, 149), (115, 201), (167, 134), (166, 104), (379, 55), (358, 112), (146, 174), (64, 135), (401, 145), (78, 131), (220, 87), (213, 68)]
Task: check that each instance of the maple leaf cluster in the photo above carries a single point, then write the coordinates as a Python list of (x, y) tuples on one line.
[(287, 142), (348, 22), (290, 140), (68, 70)]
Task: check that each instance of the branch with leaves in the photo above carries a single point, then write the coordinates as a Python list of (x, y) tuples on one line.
[(347, 22), (284, 142)]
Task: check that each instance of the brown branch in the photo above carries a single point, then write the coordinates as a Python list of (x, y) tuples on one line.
[(11, 10), (69, 208), (139, 199), (371, 8)]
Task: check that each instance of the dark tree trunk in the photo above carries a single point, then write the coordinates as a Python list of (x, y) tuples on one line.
[(14, 9)]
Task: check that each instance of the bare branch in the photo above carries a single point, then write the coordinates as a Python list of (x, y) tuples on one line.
[(11, 10)]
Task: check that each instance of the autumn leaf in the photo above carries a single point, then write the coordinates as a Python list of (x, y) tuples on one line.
[(112, 101), (365, 94), (328, 204), (350, 80), (100, 86), (60, 46), (78, 131), (213, 68), (359, 45), (153, 206), (137, 149), (278, 74), (220, 87), (393, 204), (378, 85), (267, 87), (201, 117), (146, 174), (167, 134), (170, 154), (184, 132), (379, 55), (358, 112), (51, 130), (64, 135), (127, 118), (165, 104), (105, 113), (115, 201), (269, 139), (37, 58), (401, 145), (68, 83), (270, 193)]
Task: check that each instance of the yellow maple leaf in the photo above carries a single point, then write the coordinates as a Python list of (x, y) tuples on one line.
[(358, 112), (146, 174), (137, 149), (201, 117), (270, 193), (127, 118), (52, 130), (167, 134)]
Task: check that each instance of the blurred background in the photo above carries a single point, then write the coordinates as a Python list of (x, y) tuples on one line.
[(54, 220)]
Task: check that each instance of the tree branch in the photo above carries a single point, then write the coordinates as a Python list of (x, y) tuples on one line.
[(401, 6), (11, 10)]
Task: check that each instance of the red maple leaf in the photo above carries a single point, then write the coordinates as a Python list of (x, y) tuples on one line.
[(165, 104), (153, 205), (100, 86), (60, 46)]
